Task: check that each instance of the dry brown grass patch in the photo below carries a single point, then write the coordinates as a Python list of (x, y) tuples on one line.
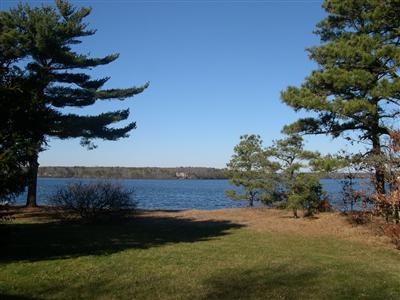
[(332, 224), (280, 221)]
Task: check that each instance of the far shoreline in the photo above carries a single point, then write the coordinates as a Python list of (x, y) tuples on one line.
[(127, 178), (151, 173)]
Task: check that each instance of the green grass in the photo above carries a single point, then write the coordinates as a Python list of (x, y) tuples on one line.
[(167, 258)]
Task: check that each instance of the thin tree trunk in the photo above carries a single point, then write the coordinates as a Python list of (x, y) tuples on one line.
[(251, 202), (380, 181), (32, 181), (251, 199), (379, 170)]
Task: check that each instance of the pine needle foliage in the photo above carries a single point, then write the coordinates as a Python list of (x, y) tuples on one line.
[(356, 88), (45, 37), (251, 171)]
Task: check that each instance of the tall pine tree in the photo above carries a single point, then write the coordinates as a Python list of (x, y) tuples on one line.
[(356, 87), (15, 142), (57, 79)]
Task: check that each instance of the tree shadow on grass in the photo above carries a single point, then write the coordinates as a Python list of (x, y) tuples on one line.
[(261, 283), (291, 282), (14, 297), (55, 240)]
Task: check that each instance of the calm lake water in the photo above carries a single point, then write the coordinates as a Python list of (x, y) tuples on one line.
[(178, 194)]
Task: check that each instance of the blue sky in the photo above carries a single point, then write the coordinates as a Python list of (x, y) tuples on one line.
[(216, 70)]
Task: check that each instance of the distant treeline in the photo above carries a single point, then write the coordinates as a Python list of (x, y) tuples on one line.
[(149, 173), (339, 175), (133, 173)]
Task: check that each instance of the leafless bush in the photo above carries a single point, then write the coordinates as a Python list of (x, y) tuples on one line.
[(388, 204), (93, 201)]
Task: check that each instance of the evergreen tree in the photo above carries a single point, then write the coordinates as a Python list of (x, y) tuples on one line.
[(15, 142), (57, 80), (357, 85), (291, 155), (14, 132), (251, 170), (305, 193), (293, 159)]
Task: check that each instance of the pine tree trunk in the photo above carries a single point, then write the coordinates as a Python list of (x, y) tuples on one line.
[(380, 180), (32, 181), (251, 199), (379, 170), (251, 202)]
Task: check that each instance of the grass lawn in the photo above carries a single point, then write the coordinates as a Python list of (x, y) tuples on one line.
[(227, 254)]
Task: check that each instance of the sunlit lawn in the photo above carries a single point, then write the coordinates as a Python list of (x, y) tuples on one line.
[(155, 257)]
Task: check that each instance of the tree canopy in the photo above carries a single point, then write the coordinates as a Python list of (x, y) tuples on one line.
[(283, 175), (14, 104), (44, 38), (290, 155), (356, 87), (298, 188), (250, 169)]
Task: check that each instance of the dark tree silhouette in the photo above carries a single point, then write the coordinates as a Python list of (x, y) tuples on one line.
[(57, 79)]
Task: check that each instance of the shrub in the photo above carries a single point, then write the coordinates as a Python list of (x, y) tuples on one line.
[(393, 231), (94, 200), (324, 206), (305, 193)]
